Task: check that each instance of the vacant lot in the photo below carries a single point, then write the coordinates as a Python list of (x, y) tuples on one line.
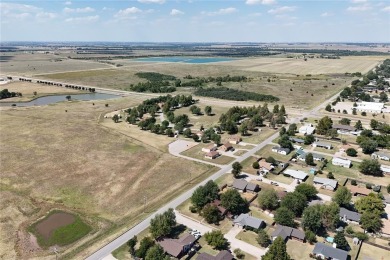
[(27, 89), (66, 160)]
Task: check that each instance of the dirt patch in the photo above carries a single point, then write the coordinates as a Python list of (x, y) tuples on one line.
[(47, 226)]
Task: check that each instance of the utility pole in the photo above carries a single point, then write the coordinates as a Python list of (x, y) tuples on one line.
[(56, 252)]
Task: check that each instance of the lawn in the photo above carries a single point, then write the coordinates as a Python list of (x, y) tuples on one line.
[(258, 213), (248, 237), (197, 153), (247, 165), (280, 178), (267, 151), (329, 151), (372, 252), (298, 250), (240, 152)]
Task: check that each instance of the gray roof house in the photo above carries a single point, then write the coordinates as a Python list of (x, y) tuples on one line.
[(381, 155), (297, 140), (344, 128), (316, 156), (280, 150), (348, 215), (329, 252), (222, 255), (253, 187), (325, 183), (239, 184), (244, 220), (287, 232), (323, 145)]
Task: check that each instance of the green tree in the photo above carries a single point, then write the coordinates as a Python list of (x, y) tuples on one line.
[(282, 111), (255, 165), (332, 133), (284, 216), (310, 237), (371, 221), (324, 125), (309, 139), (351, 152), (282, 131), (239, 254), (211, 214), (330, 215), (370, 167), (187, 133), (308, 190), (236, 169), (340, 241), (263, 238), (374, 124), (371, 203), (132, 243), (216, 239), (144, 246), (342, 196), (156, 252), (276, 109), (328, 108), (271, 160), (383, 97), (243, 129), (309, 159), (208, 110), (115, 118), (359, 125), (268, 199), (311, 218), (204, 194), (284, 142), (232, 201), (368, 146), (277, 251), (195, 137), (295, 201), (292, 129), (162, 224)]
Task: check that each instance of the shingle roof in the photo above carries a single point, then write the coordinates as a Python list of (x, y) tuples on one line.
[(240, 184), (187, 239), (328, 251), (285, 232), (252, 186), (325, 181), (350, 215), (246, 220), (296, 174), (344, 127), (297, 140), (298, 234), (222, 255), (322, 144), (171, 246)]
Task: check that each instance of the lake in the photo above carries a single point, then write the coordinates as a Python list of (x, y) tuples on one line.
[(60, 98), (193, 60)]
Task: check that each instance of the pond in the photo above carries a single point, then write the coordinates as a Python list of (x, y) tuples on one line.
[(60, 98), (184, 59), (46, 227)]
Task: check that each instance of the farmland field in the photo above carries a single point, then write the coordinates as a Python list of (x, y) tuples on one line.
[(55, 150)]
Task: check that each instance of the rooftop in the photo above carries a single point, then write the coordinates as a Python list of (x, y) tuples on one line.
[(240, 184), (325, 181), (350, 215), (328, 251), (296, 174), (344, 127), (246, 220)]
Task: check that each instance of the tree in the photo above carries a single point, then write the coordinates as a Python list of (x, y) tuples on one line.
[(371, 203), (68, 98), (282, 131), (330, 175), (309, 159), (255, 165), (328, 108), (308, 190), (371, 221), (268, 199), (295, 201), (236, 169), (374, 124), (383, 97), (310, 237), (132, 243), (330, 215), (263, 238), (216, 239), (239, 254), (144, 246), (292, 129), (284, 216), (277, 251), (345, 121), (340, 241), (208, 110), (282, 110), (187, 133), (368, 146), (342, 196), (156, 252), (211, 214), (324, 125), (311, 218), (162, 224), (351, 152), (204, 194), (309, 139), (195, 137), (285, 142), (359, 125), (115, 118), (169, 132), (276, 109), (332, 133), (271, 160), (243, 129), (370, 167), (232, 201)]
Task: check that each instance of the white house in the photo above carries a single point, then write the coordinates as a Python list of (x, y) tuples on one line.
[(210, 148), (385, 169), (277, 149), (299, 175), (307, 129), (381, 155), (341, 162), (323, 145), (325, 183), (371, 107)]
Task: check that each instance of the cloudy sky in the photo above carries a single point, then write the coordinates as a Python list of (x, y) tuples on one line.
[(196, 20)]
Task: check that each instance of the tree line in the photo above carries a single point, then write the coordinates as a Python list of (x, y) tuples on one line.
[(6, 94), (234, 94)]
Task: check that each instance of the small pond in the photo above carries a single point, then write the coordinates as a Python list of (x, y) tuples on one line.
[(47, 226), (184, 59)]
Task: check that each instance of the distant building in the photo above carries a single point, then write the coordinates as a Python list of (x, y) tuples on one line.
[(341, 162), (381, 155), (212, 155), (316, 157), (222, 255), (226, 147), (371, 107), (240, 184), (209, 148), (345, 129), (297, 140), (234, 139), (177, 247), (307, 129), (265, 167)]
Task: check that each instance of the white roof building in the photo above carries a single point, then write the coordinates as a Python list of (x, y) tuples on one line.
[(372, 107), (385, 169), (341, 162), (300, 175), (307, 129)]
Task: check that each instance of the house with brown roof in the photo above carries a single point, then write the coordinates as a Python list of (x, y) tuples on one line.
[(177, 247), (209, 148), (226, 147), (221, 209), (356, 190), (222, 255), (234, 139), (212, 155), (265, 167)]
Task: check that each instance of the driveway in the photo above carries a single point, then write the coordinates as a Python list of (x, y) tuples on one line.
[(247, 248), (191, 223)]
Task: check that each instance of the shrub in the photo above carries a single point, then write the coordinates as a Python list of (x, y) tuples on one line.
[(349, 230), (353, 182), (330, 175), (361, 236), (239, 254), (310, 237), (368, 185), (351, 152), (256, 165), (376, 188), (364, 113)]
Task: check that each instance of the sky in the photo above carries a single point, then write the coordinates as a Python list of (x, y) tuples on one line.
[(196, 20)]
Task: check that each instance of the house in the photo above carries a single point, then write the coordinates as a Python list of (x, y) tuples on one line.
[(297, 140), (372, 107), (252, 187), (341, 162), (209, 148), (212, 155), (288, 232), (177, 247), (385, 231), (265, 167), (234, 139), (385, 169), (344, 129), (316, 157), (381, 155), (245, 221), (325, 183), (349, 216), (298, 175), (280, 150), (307, 129), (240, 185), (356, 190), (221, 209), (322, 145), (226, 147), (222, 255), (327, 252)]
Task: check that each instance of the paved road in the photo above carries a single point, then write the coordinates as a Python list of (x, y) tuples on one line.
[(248, 248)]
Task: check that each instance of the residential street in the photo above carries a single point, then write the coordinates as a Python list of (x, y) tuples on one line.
[(247, 248)]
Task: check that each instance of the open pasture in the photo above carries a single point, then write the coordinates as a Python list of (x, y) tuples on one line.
[(68, 160)]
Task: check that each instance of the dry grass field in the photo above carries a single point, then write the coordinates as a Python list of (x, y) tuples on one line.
[(27, 89), (66, 160)]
